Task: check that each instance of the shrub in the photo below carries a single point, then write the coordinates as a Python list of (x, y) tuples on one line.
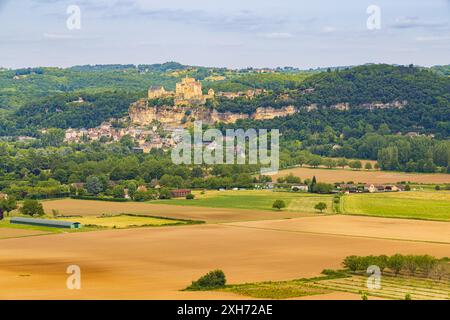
[(320, 206), (408, 296), (212, 280), (190, 196), (279, 204)]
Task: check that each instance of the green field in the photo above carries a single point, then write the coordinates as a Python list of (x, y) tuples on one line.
[(425, 204), (431, 205), (124, 221), (254, 199)]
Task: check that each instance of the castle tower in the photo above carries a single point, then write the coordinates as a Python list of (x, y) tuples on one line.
[(189, 89)]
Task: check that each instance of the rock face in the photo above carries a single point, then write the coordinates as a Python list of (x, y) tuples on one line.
[(141, 113), (270, 113)]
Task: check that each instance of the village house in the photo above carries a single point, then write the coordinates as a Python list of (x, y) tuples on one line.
[(180, 193), (300, 187)]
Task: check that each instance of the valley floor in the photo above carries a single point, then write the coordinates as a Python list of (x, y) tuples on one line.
[(156, 263)]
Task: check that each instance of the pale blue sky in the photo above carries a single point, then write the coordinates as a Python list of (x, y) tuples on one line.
[(231, 33)]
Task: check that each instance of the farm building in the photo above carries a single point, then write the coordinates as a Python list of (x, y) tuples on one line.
[(300, 187), (180, 193), (46, 223)]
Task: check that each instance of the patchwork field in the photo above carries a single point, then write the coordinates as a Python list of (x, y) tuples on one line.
[(414, 205), (255, 200), (157, 263), (71, 207), (391, 288), (336, 175)]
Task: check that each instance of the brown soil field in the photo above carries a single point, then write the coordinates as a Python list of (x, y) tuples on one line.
[(14, 233), (210, 215), (371, 227), (155, 263), (338, 175)]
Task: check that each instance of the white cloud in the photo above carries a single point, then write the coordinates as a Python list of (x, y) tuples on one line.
[(328, 29), (278, 35)]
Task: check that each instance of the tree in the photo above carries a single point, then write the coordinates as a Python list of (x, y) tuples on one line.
[(118, 192), (94, 185), (342, 162), (368, 166), (8, 205), (292, 179), (396, 263), (32, 208), (323, 188), (53, 137), (320, 206), (279, 204), (315, 161), (164, 193), (355, 164)]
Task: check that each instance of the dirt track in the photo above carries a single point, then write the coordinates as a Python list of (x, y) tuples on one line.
[(157, 262), (14, 233)]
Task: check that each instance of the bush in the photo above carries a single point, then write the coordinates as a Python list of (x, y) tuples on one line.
[(32, 208), (212, 280), (320, 206), (190, 196), (279, 204)]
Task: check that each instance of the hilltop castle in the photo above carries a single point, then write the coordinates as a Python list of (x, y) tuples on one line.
[(187, 92), (188, 96)]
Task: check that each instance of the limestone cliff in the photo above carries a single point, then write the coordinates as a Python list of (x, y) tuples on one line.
[(141, 113)]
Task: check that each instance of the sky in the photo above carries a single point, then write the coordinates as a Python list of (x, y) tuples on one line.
[(231, 33)]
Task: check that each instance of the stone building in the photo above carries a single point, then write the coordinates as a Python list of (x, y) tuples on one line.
[(189, 89), (155, 92)]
